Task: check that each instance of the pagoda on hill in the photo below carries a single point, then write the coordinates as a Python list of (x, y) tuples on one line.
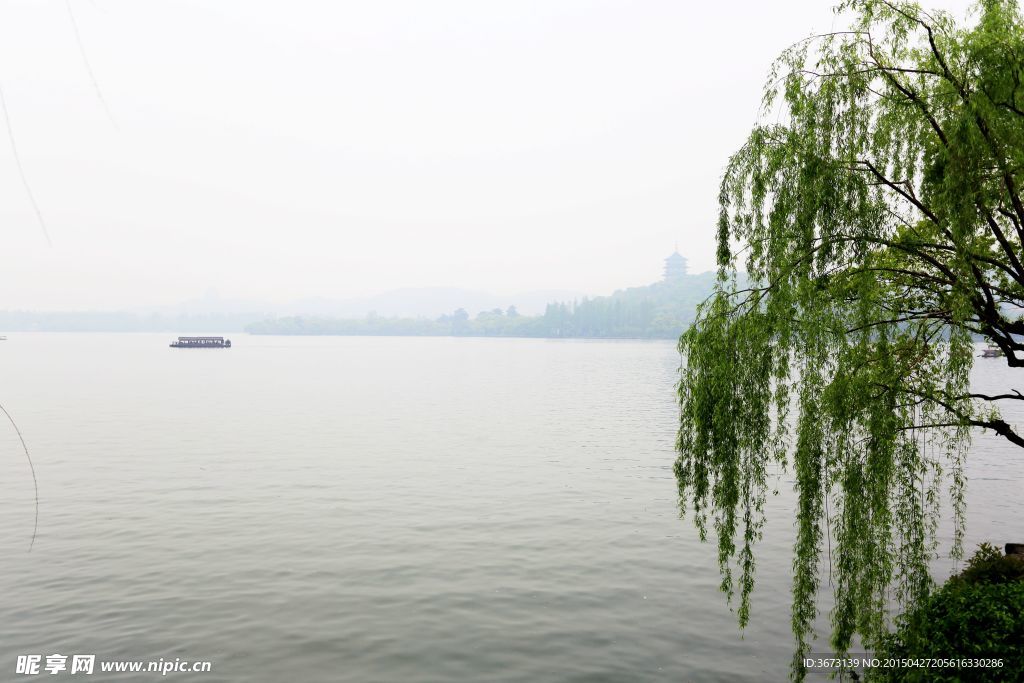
[(675, 267)]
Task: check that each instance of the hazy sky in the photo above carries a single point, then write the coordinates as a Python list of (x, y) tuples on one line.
[(277, 150)]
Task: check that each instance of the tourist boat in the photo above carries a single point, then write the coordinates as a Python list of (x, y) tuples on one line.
[(201, 343), (992, 351)]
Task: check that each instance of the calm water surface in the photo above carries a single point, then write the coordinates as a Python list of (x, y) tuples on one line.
[(380, 509)]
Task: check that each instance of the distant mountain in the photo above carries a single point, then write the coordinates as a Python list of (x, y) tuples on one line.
[(660, 310), (213, 315), (413, 302), (427, 302), (123, 321)]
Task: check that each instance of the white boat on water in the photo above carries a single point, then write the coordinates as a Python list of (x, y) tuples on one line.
[(201, 343)]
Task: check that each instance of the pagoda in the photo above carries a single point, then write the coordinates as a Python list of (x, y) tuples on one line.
[(675, 267)]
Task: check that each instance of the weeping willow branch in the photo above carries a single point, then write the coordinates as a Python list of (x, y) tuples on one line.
[(880, 226)]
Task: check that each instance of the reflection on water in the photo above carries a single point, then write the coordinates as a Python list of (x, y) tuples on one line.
[(366, 509)]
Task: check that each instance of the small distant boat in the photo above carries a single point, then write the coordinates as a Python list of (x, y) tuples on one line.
[(201, 343), (992, 351)]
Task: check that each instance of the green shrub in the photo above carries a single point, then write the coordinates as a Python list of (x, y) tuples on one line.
[(976, 614), (990, 565)]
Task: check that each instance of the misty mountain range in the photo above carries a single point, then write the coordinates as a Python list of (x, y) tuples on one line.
[(409, 302), (211, 313), (661, 310)]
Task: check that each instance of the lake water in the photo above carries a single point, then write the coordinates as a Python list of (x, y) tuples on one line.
[(381, 509)]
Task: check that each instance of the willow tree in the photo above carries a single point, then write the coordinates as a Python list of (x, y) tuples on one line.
[(870, 230)]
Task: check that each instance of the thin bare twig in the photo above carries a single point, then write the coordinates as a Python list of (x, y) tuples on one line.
[(21, 169), (35, 482), (88, 66)]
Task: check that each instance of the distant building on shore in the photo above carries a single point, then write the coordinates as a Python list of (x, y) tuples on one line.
[(675, 267)]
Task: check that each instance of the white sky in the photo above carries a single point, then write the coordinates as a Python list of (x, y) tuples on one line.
[(277, 150)]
